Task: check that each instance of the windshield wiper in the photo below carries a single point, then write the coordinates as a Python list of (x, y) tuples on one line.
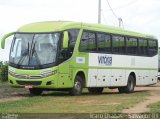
[(34, 52)]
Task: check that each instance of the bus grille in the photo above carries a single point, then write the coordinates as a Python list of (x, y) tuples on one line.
[(24, 76), (28, 76), (35, 83)]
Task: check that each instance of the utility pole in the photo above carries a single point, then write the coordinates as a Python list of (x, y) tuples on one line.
[(99, 11), (120, 22)]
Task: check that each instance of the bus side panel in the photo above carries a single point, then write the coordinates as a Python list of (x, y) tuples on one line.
[(153, 77), (92, 78), (118, 77), (143, 77), (104, 77), (111, 70), (64, 80), (105, 70), (148, 69), (79, 63), (99, 75)]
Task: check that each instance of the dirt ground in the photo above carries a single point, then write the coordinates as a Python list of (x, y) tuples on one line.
[(12, 94), (8, 93), (154, 97)]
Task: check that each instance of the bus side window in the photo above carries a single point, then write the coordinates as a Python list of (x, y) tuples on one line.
[(132, 45), (73, 34), (143, 47), (67, 53), (152, 47), (104, 43), (88, 42), (118, 44)]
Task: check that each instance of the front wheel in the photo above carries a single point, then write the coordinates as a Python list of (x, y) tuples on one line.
[(35, 91), (77, 88)]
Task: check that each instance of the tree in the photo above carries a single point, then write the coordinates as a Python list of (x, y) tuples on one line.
[(4, 72)]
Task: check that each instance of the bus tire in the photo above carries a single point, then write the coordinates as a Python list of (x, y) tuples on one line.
[(130, 86), (35, 91), (77, 88), (95, 90)]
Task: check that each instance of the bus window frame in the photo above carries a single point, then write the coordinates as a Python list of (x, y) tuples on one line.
[(125, 42)]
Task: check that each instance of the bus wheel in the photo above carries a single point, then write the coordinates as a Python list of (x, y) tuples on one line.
[(35, 91), (130, 86), (77, 88), (95, 90)]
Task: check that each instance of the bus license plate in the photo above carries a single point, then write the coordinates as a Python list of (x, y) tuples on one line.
[(28, 86)]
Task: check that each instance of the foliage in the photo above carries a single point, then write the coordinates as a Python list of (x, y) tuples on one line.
[(3, 71)]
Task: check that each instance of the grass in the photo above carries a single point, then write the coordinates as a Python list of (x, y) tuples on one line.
[(60, 102), (3, 83), (154, 108)]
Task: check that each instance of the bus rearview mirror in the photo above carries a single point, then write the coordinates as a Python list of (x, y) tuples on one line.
[(4, 39), (65, 39)]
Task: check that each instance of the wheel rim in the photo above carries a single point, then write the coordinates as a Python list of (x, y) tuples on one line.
[(77, 87)]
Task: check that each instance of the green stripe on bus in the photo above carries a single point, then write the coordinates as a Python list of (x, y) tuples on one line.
[(125, 68)]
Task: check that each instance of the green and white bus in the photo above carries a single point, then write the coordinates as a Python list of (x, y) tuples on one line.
[(71, 56)]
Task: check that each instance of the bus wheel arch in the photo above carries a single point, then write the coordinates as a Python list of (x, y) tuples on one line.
[(131, 83), (134, 75), (83, 78), (79, 84)]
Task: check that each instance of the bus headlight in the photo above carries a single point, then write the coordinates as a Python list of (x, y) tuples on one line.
[(49, 73)]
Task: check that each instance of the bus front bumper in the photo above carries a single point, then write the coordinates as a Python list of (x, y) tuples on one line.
[(47, 82)]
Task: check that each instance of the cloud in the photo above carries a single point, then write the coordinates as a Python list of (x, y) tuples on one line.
[(138, 15), (141, 16)]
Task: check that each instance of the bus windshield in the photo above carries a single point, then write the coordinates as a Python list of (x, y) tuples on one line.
[(34, 50)]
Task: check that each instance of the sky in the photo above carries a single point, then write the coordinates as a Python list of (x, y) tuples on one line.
[(137, 15)]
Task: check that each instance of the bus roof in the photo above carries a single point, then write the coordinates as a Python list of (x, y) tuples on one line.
[(52, 26)]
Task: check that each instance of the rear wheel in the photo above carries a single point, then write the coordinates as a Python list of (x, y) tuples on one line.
[(130, 86), (95, 90), (35, 91), (77, 88)]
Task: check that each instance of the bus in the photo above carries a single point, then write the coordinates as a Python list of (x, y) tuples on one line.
[(70, 56)]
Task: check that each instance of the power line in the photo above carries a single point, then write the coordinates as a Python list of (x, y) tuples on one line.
[(124, 5), (118, 18), (112, 9), (104, 18)]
